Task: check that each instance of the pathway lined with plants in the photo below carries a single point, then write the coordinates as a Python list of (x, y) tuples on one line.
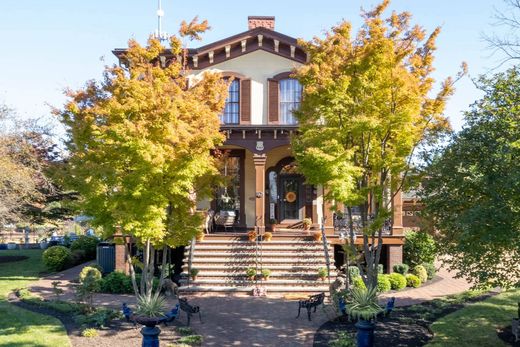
[(19, 327)]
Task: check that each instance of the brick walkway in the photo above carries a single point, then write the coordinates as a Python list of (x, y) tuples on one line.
[(239, 320)]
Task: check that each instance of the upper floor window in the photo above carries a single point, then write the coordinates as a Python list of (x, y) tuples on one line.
[(231, 114), (290, 97)]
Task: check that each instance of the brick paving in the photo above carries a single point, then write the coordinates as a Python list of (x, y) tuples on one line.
[(241, 320)]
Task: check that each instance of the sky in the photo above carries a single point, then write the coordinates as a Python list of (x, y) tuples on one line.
[(51, 45)]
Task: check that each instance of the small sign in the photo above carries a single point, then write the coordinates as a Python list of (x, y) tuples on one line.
[(259, 145)]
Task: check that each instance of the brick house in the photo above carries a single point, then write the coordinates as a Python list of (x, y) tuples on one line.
[(265, 191)]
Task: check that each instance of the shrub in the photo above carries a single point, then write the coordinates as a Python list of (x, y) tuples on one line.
[(380, 268), (56, 258), (344, 339), (87, 244), (357, 282), (413, 281), (397, 281), (419, 247), (117, 283), (191, 339), (78, 256), (353, 271), (420, 272), (401, 269), (90, 332), (430, 270), (383, 283), (89, 271)]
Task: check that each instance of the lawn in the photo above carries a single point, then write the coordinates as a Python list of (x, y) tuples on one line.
[(19, 327), (476, 324)]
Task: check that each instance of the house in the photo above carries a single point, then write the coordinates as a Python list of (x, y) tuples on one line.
[(265, 190)]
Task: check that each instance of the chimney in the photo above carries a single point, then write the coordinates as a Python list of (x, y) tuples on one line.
[(260, 21)]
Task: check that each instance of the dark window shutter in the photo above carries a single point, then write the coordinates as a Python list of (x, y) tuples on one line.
[(273, 100), (245, 101)]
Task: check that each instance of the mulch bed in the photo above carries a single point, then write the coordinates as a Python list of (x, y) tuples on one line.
[(406, 326), (118, 333), (506, 335), (12, 258)]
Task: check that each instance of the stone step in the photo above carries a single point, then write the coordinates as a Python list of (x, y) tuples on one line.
[(246, 242), (309, 247), (246, 282), (264, 254), (309, 274), (251, 260), (245, 289), (220, 268)]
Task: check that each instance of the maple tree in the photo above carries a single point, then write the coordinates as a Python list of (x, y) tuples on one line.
[(366, 107), (140, 143)]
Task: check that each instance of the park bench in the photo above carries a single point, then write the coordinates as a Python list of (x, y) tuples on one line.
[(189, 309), (312, 302)]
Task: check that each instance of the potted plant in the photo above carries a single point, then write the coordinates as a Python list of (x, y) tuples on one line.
[(317, 236), (307, 222), (199, 236), (322, 273), (193, 273), (251, 273), (265, 274), (11, 245), (268, 236), (364, 307), (149, 312), (252, 235)]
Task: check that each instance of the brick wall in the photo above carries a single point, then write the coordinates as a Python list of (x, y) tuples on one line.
[(395, 256)]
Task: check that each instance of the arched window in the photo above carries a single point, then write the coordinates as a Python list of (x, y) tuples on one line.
[(290, 97), (231, 114)]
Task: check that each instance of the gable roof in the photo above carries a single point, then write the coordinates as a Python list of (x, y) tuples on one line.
[(259, 38)]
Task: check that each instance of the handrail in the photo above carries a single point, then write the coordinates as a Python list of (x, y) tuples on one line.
[(190, 258)]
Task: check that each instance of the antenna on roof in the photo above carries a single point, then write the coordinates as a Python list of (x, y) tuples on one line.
[(159, 34)]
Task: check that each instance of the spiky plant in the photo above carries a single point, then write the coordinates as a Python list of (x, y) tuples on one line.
[(364, 303), (150, 306)]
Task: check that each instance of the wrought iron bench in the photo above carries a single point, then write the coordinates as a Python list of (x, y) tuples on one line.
[(189, 309), (312, 302), (225, 219)]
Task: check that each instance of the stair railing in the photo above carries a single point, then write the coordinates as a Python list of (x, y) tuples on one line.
[(325, 247), (190, 258)]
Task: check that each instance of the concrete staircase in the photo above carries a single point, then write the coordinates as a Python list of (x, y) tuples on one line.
[(222, 262)]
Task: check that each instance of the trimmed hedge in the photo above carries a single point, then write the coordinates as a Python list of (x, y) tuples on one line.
[(413, 281), (117, 283), (420, 272), (383, 283), (89, 271), (57, 258), (87, 244), (397, 281), (401, 269), (430, 270)]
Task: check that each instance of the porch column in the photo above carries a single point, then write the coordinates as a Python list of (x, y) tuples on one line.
[(395, 256), (397, 214), (259, 160), (120, 252)]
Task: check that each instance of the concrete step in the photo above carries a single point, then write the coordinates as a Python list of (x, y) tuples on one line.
[(247, 242), (309, 247), (311, 274), (246, 282), (245, 289), (231, 261), (222, 268), (264, 254)]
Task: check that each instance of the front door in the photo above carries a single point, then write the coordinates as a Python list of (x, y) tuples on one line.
[(290, 199)]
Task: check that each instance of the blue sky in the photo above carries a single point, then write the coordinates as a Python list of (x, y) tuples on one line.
[(50, 45)]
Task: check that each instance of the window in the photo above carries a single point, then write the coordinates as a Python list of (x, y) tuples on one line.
[(231, 112), (290, 96)]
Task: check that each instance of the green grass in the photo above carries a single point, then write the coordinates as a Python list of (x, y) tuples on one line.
[(19, 327), (476, 324)]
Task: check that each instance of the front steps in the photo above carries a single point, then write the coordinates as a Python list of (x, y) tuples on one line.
[(222, 262)]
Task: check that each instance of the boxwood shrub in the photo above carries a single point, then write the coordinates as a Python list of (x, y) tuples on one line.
[(117, 283), (57, 258), (430, 270), (397, 281), (383, 283), (413, 281), (420, 272), (401, 269)]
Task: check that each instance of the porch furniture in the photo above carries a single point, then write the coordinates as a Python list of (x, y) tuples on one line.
[(226, 219), (170, 316), (189, 309), (312, 302)]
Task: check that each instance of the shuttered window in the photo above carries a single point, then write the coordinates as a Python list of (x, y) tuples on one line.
[(231, 114), (290, 97)]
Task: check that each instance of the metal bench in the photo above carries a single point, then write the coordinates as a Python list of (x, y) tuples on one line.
[(225, 219), (189, 309), (312, 302)]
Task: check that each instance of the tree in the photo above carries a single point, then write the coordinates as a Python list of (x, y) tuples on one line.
[(365, 109), (139, 144), (472, 195), (508, 44)]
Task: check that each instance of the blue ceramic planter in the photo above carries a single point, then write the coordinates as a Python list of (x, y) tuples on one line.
[(365, 333), (150, 332)]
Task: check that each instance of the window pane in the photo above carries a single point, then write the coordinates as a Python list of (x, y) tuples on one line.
[(232, 109), (290, 96)]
